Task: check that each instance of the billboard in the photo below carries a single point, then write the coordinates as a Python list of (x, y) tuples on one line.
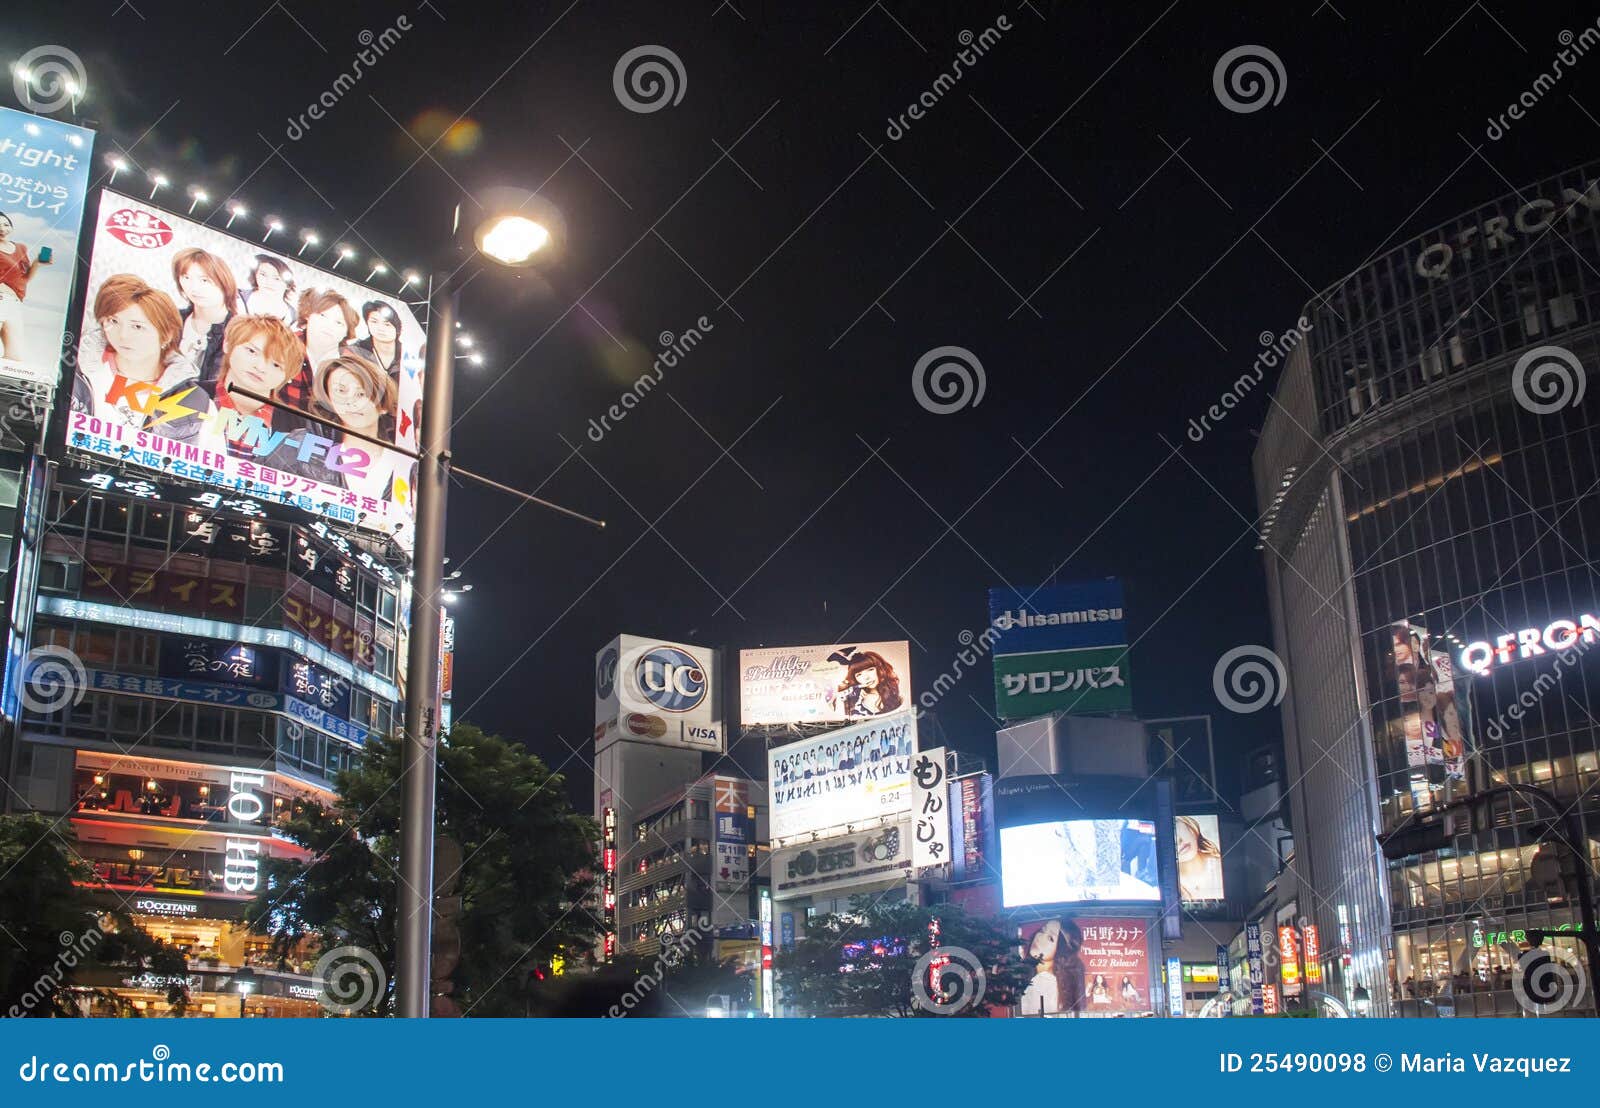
[(971, 827), (666, 693), (823, 868), (1087, 966), (1060, 648), (1198, 846), (823, 684), (853, 775), (1436, 721), (1079, 860), (44, 179), (930, 810), (732, 835), (176, 311)]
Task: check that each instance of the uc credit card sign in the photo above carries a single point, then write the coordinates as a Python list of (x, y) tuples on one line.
[(1060, 648)]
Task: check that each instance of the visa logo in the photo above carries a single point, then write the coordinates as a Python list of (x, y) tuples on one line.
[(704, 734)]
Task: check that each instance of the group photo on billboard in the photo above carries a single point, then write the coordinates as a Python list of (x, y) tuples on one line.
[(179, 317), (1074, 861), (823, 684), (44, 178), (847, 776)]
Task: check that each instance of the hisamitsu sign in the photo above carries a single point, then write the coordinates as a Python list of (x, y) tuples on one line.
[(1061, 648)]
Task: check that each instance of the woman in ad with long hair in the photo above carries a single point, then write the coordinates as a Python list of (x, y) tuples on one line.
[(1199, 861), (870, 686), (17, 269)]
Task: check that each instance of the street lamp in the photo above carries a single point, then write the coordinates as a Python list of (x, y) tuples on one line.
[(518, 227), (245, 982)]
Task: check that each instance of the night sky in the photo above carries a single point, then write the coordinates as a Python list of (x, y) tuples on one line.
[(1080, 211)]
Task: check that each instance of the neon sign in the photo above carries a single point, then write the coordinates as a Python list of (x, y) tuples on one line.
[(1530, 642)]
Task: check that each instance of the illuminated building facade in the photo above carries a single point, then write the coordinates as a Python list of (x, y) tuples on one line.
[(219, 661), (1428, 476)]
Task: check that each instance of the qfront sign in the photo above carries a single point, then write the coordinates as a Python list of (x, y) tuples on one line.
[(1530, 642)]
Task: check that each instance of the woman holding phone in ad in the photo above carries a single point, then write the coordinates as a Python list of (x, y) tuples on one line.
[(16, 270)]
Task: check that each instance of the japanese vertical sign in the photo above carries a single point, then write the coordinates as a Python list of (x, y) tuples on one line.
[(1258, 975), (44, 179), (930, 810), (1061, 648)]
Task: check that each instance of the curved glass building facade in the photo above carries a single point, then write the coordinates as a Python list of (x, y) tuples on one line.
[(1429, 475)]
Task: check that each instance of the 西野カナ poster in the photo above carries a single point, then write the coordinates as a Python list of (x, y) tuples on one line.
[(178, 316)]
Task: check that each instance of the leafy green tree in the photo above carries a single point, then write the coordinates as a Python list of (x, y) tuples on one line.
[(52, 929), (526, 880), (864, 962)]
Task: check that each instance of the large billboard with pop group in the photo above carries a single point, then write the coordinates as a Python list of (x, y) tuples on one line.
[(823, 684), (176, 313), (853, 775)]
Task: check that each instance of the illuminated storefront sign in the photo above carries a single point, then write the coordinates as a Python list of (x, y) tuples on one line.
[(241, 868), (1289, 960), (177, 908), (1313, 953), (1507, 231), (1253, 952), (1269, 1000), (1530, 642), (226, 696), (171, 623), (608, 889), (767, 999)]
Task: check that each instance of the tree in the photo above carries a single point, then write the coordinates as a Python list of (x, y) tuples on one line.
[(525, 883), (52, 928), (864, 962)]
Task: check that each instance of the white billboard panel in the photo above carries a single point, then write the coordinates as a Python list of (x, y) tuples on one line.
[(823, 684), (647, 690), (855, 775)]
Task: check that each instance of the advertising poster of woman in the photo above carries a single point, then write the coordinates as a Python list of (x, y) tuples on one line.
[(1087, 966), (177, 311)]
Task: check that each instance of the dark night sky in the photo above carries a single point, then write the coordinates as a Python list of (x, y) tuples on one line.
[(826, 270)]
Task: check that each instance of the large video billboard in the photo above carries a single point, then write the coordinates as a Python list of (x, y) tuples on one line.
[(1061, 648), (852, 775), (1199, 851), (44, 179), (176, 312), (823, 684), (647, 690), (1077, 861), (1087, 966)]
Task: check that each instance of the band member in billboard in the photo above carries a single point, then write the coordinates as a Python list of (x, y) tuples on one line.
[(870, 686), (326, 324), (1199, 861), (360, 396), (142, 330), (261, 354), (16, 270), (1057, 985), (271, 290), (382, 344), (207, 286)]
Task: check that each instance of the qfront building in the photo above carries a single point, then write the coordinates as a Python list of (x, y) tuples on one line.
[(1430, 481)]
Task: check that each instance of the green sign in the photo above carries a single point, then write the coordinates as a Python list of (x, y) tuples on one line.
[(1086, 680)]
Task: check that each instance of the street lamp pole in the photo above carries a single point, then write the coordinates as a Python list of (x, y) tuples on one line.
[(420, 757)]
